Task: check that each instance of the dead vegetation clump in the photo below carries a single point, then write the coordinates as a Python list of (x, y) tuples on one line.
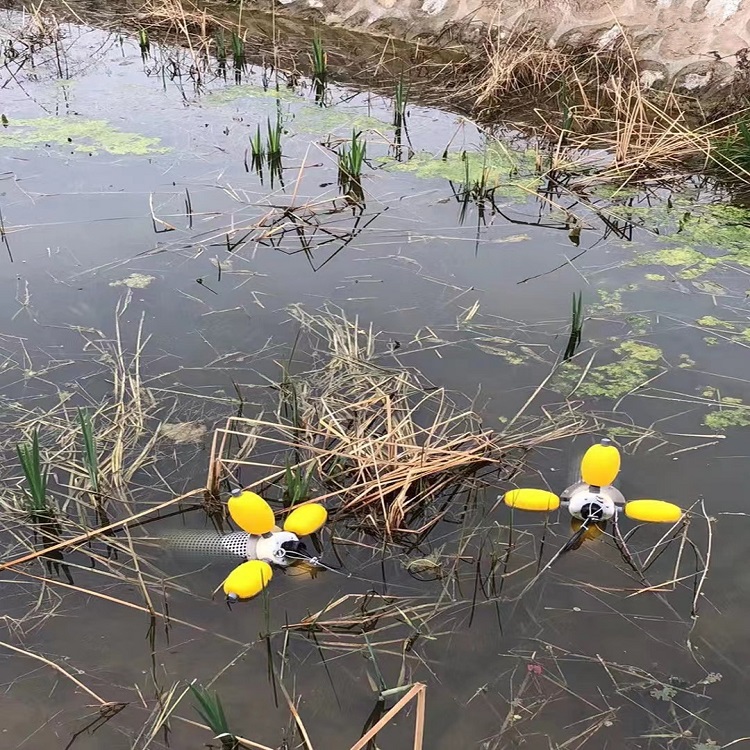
[(596, 98), (382, 444)]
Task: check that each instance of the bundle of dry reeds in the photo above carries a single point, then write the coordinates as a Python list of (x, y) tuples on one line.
[(594, 102), (382, 443)]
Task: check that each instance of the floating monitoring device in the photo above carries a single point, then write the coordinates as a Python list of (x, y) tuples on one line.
[(261, 543), (593, 500)]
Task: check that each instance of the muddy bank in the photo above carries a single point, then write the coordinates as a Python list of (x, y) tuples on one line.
[(695, 47)]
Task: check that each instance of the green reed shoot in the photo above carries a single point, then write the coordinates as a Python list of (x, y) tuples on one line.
[(144, 43), (475, 189), (351, 160), (400, 102), (211, 710), (256, 147), (40, 512), (319, 61), (268, 152), (273, 141), (296, 485), (238, 56), (576, 326), (734, 151), (90, 457), (36, 476), (221, 52)]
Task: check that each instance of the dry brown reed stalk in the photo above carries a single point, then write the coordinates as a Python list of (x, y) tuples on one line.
[(384, 445), (101, 499), (594, 100), (515, 63), (65, 673), (417, 691), (643, 136)]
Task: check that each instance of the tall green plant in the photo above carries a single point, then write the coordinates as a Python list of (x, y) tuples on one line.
[(576, 326), (221, 52), (144, 43), (296, 485), (90, 456), (211, 710), (36, 476), (351, 160), (319, 60), (400, 101), (41, 514), (238, 55)]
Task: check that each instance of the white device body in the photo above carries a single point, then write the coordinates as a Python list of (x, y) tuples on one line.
[(595, 503), (268, 548)]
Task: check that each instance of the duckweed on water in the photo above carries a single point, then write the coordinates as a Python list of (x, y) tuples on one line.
[(691, 262), (312, 119), (247, 91), (705, 234), (84, 136), (610, 301), (512, 173), (734, 413), (638, 363), (709, 321)]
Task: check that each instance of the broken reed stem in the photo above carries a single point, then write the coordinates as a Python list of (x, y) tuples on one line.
[(242, 740), (417, 691), (129, 605), (86, 536), (59, 669)]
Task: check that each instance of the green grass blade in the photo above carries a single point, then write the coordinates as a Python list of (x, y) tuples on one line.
[(209, 707), (35, 472), (90, 458)]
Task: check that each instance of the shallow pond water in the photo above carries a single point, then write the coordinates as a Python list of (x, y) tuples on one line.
[(122, 180)]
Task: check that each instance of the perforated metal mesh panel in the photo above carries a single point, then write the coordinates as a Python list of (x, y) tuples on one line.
[(209, 543)]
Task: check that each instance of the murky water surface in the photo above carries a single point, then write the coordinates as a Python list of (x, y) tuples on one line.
[(120, 179)]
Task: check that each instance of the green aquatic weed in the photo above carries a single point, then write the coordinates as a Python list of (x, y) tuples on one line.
[(80, 135), (637, 363)]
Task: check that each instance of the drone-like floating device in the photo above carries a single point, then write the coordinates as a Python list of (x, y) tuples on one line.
[(265, 544), (261, 544), (593, 500)]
